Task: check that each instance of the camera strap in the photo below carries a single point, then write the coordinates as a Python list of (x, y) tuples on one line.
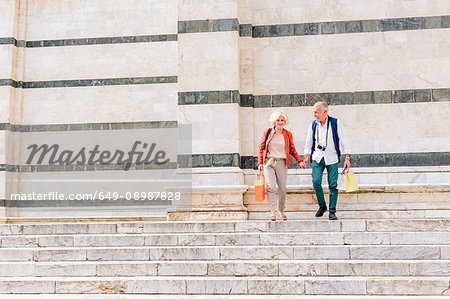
[(317, 133)]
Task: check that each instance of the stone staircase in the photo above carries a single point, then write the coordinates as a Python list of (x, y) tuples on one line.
[(371, 256)]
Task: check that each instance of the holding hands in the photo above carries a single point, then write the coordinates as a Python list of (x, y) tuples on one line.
[(303, 164)]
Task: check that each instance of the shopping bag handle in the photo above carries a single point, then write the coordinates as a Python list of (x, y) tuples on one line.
[(260, 174), (346, 170)]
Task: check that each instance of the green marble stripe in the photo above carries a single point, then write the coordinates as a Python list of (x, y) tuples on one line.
[(209, 160), (354, 26), (184, 161), (88, 126), (96, 167), (374, 160), (212, 25), (208, 97), (89, 82), (308, 99), (250, 162), (8, 41), (89, 41)]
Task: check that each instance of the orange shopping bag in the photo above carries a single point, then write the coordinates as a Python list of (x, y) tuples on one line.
[(260, 191)]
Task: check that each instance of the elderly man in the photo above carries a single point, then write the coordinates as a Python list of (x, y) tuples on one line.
[(325, 136)]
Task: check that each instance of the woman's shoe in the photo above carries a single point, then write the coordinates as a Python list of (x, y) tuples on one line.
[(282, 216), (273, 217)]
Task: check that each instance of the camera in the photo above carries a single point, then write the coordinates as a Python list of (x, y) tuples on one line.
[(321, 147)]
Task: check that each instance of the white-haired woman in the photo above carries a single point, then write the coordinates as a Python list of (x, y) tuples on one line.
[(275, 151)]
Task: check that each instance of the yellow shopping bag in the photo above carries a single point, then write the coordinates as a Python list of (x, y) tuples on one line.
[(350, 182)]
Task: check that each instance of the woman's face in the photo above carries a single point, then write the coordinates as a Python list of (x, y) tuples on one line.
[(280, 122)]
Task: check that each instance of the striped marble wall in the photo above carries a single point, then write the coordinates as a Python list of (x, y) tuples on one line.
[(224, 66)]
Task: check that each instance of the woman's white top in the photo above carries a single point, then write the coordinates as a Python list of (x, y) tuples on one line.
[(277, 147)]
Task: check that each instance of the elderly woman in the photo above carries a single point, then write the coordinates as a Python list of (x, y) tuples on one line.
[(275, 151)]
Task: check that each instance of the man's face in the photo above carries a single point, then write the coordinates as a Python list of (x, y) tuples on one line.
[(319, 114)]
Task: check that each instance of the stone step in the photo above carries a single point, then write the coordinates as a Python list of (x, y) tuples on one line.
[(345, 206), (83, 214), (229, 285), (382, 187), (361, 214), (346, 252), (140, 296), (321, 224), (366, 195), (227, 239), (119, 296), (81, 219), (228, 268)]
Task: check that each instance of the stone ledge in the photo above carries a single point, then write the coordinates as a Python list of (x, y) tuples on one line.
[(202, 215), (125, 296), (220, 189), (312, 224), (370, 285), (213, 202), (217, 170), (15, 220), (394, 188), (424, 208), (80, 214), (252, 268), (357, 170), (361, 214), (369, 237)]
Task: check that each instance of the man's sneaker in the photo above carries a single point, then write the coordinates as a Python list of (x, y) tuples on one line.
[(332, 216), (320, 211)]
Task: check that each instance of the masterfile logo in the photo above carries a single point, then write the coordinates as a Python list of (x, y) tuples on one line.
[(144, 166), (147, 155)]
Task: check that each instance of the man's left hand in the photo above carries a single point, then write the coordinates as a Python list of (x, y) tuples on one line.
[(347, 163)]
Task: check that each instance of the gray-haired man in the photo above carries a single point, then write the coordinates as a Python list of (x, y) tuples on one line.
[(325, 137)]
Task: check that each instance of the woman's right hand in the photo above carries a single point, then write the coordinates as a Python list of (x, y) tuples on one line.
[(260, 167)]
